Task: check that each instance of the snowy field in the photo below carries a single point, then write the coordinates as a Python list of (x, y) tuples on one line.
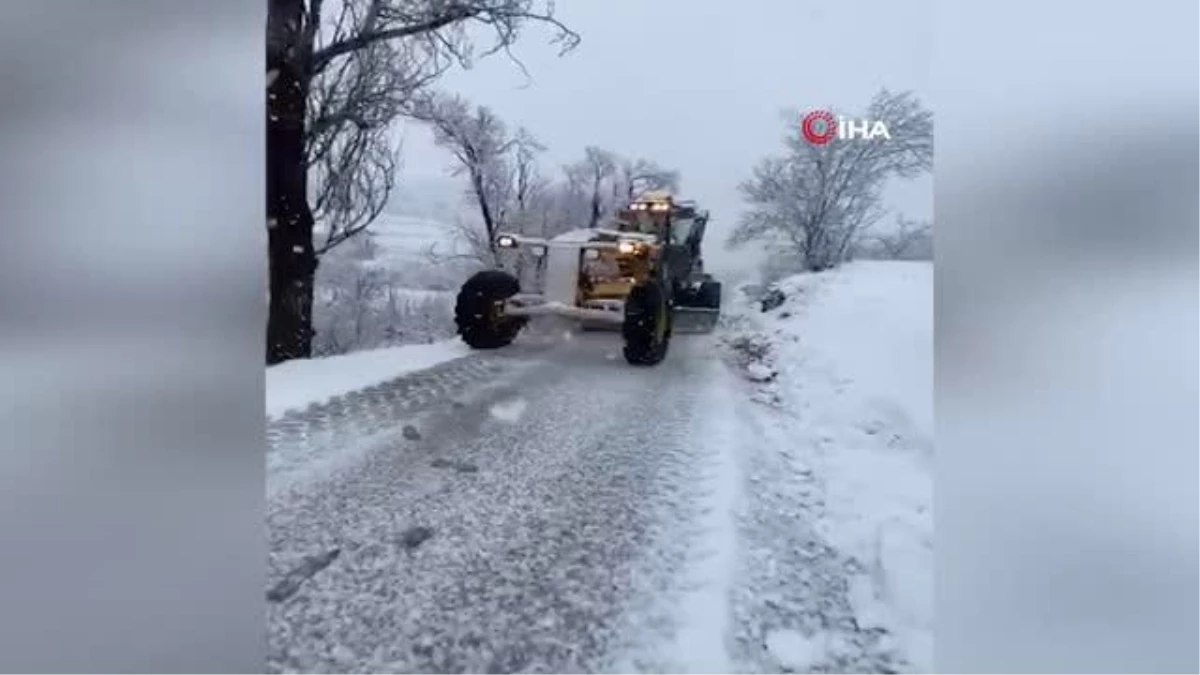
[(393, 285), (405, 240), (419, 222), (407, 245), (760, 502)]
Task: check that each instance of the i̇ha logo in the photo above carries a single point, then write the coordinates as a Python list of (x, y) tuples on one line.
[(820, 126)]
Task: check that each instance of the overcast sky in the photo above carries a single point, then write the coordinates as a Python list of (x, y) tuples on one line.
[(699, 86)]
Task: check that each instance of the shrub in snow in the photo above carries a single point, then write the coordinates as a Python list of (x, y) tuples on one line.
[(750, 348), (360, 304), (772, 299), (753, 353), (767, 395), (907, 239)]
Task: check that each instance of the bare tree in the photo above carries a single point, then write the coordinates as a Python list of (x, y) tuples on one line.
[(529, 186), (529, 204), (361, 304), (505, 184), (909, 238), (481, 145), (604, 181), (594, 187), (815, 200), (474, 248), (511, 193), (594, 176), (353, 102), (346, 303), (568, 204), (337, 74), (638, 176)]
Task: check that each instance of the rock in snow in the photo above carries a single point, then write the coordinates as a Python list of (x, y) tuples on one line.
[(759, 372), (795, 651)]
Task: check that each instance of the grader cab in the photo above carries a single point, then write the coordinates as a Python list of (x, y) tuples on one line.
[(643, 274)]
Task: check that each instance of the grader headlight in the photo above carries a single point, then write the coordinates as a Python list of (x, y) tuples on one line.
[(627, 247), (506, 241)]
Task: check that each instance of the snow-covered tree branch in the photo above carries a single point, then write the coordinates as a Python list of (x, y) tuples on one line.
[(603, 180), (635, 177), (481, 145), (339, 72), (816, 200), (909, 239)]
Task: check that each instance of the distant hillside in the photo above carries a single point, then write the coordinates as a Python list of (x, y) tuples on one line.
[(434, 197), (418, 219), (404, 245)]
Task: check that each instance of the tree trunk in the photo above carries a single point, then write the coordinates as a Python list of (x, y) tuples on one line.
[(594, 216), (485, 212), (292, 260)]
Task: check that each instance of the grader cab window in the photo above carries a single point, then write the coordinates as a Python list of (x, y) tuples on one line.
[(639, 221), (681, 229)]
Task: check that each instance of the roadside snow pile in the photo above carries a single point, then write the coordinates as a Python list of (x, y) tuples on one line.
[(850, 357), (295, 385), (754, 357)]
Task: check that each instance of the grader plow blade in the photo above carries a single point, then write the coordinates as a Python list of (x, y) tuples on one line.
[(692, 320)]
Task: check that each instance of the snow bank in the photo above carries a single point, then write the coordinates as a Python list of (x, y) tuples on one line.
[(848, 356), (873, 323), (297, 384)]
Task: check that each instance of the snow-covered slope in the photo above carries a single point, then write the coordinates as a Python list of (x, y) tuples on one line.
[(844, 371), (873, 323), (394, 283)]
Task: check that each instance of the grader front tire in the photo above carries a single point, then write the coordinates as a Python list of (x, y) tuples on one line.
[(647, 325)]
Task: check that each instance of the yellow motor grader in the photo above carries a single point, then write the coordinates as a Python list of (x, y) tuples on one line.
[(640, 274)]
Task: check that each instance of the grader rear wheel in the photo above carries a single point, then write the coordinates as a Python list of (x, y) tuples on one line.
[(479, 310)]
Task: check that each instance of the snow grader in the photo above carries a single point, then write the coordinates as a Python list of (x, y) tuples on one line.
[(641, 275)]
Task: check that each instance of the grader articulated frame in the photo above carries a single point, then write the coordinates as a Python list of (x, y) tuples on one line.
[(644, 275)]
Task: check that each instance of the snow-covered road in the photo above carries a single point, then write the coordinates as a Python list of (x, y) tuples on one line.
[(548, 508), (556, 504)]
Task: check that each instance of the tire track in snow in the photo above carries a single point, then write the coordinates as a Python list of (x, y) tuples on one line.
[(315, 442), (699, 602), (549, 557), (679, 621)]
